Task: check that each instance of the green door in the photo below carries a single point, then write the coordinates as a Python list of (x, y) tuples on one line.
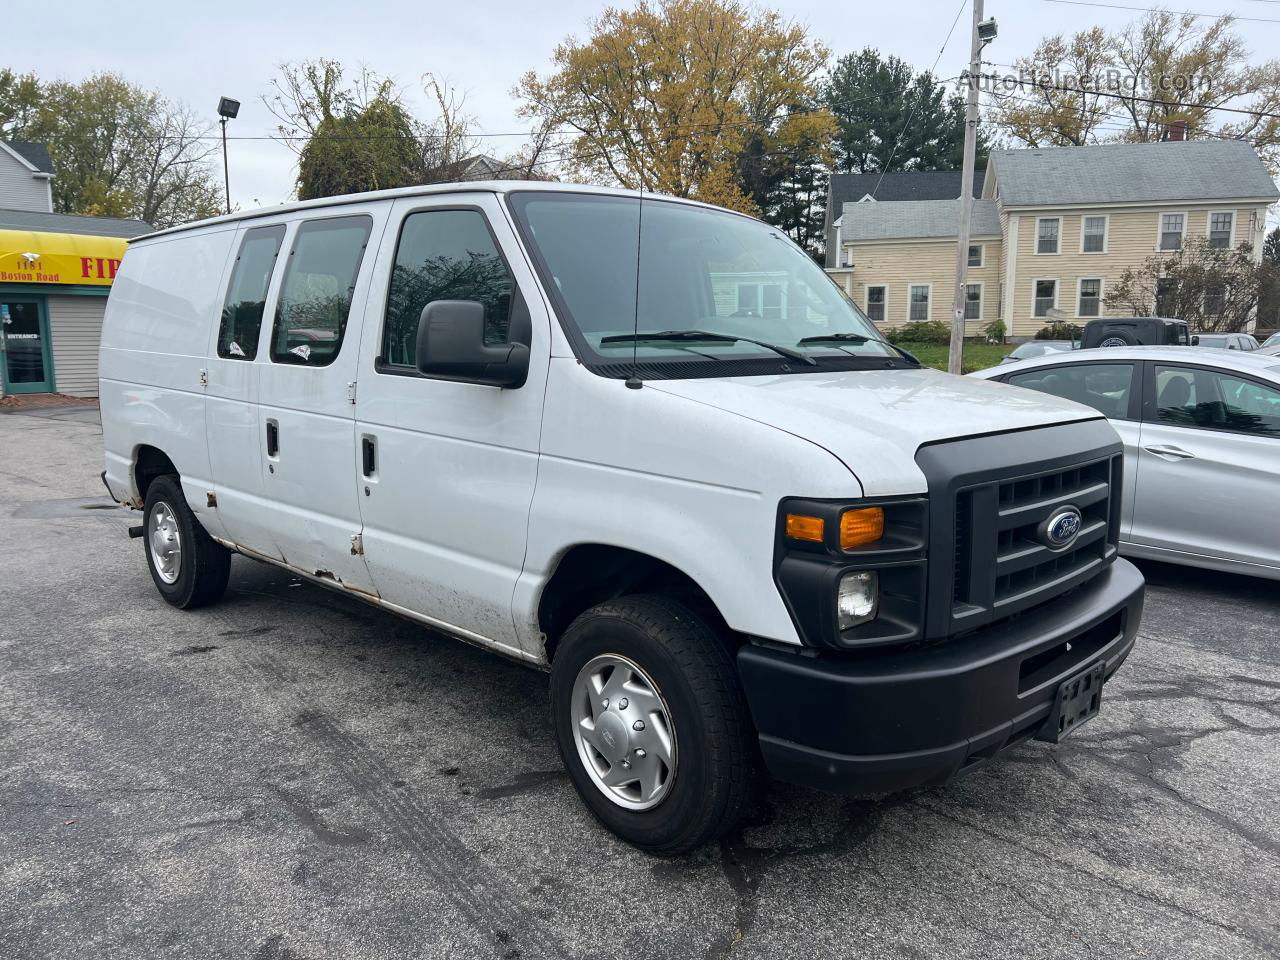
[(26, 356)]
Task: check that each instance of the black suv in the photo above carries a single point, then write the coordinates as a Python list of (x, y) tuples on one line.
[(1136, 331)]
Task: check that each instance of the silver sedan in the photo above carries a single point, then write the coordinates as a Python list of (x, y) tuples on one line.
[(1201, 431)]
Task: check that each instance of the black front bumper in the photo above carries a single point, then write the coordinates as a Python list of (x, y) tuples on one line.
[(877, 722)]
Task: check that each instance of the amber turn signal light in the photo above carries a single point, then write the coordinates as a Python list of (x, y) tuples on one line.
[(862, 526), (802, 527)]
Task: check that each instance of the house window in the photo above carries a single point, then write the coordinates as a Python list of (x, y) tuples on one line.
[(1171, 228), (1047, 231), (760, 300), (1090, 298), (1094, 234), (975, 255), (1215, 301), (973, 301), (1046, 297), (875, 304), (919, 303), (1220, 229), (1166, 289)]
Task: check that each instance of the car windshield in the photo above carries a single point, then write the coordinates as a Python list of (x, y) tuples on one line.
[(712, 286), (1212, 340)]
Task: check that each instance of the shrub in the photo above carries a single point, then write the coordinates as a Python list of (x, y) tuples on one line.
[(921, 331), (1061, 330), (995, 331)]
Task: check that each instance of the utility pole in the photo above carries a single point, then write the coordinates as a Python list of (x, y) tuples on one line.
[(983, 33)]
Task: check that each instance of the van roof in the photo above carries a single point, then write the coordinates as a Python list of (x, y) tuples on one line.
[(470, 186)]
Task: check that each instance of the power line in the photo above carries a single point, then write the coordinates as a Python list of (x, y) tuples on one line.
[(936, 60), (1180, 13), (337, 138)]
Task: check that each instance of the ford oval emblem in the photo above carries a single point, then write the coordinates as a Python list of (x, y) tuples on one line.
[(1061, 529)]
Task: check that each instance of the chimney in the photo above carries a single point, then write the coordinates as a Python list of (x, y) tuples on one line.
[(1177, 131)]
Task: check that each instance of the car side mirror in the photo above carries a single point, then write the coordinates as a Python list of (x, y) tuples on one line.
[(1195, 340), (451, 346)]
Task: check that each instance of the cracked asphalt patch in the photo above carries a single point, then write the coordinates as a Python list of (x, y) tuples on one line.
[(292, 775)]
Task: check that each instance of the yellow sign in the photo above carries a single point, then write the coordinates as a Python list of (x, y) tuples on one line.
[(27, 256)]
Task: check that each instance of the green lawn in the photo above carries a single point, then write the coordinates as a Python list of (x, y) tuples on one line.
[(978, 355)]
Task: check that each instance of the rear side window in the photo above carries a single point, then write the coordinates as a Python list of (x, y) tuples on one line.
[(315, 298), (1196, 397), (444, 255), (247, 293), (1104, 386)]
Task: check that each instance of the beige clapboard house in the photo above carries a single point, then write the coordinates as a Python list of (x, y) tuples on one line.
[(1051, 229)]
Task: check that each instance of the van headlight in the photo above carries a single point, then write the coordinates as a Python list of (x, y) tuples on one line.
[(858, 598), (852, 571)]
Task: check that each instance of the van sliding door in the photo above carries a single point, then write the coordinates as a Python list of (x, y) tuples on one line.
[(306, 414)]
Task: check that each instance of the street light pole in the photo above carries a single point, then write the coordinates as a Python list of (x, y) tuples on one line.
[(983, 33), (227, 110), (226, 175)]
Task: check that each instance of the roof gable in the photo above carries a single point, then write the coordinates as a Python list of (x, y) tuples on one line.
[(1193, 170), (907, 185), (33, 155)]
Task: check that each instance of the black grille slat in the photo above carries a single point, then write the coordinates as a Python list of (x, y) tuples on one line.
[(1027, 553), (1036, 510)]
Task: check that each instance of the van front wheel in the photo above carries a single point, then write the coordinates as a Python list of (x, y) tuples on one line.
[(190, 568), (652, 724)]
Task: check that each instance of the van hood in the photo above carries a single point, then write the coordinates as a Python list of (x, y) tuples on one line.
[(874, 421)]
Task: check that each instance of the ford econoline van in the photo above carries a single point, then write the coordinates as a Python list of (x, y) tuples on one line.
[(641, 443)]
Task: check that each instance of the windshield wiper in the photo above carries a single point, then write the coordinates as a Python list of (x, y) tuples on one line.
[(838, 338), (707, 336), (858, 338)]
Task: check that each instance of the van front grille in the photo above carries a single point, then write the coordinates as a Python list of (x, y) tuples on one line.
[(1003, 561)]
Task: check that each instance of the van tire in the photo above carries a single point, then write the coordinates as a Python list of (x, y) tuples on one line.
[(205, 565), (715, 776)]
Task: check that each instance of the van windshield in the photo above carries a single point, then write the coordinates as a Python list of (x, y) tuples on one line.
[(713, 287)]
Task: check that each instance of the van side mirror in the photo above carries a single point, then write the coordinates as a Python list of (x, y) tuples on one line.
[(451, 346), (1195, 340)]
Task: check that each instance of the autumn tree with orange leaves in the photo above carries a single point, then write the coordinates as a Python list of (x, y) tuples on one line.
[(667, 96)]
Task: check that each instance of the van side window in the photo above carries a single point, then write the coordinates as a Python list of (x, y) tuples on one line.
[(315, 298), (247, 293), (444, 255)]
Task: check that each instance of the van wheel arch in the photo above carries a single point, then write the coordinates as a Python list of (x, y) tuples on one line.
[(592, 573), (149, 463)]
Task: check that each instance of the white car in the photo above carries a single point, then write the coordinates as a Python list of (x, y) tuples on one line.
[(1201, 431), (643, 444)]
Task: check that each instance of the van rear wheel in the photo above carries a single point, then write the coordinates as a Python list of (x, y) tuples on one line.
[(652, 724), (190, 568)]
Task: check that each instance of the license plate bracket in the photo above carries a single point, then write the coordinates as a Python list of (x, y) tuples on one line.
[(1078, 700)]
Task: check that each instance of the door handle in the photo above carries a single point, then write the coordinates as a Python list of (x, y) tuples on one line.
[(1170, 453), (369, 455), (273, 439)]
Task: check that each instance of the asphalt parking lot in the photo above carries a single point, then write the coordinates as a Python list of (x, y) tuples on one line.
[(291, 774)]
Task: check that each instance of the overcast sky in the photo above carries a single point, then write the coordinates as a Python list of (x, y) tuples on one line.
[(198, 52)]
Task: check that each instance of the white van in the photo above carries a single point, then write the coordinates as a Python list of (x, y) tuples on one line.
[(639, 442)]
